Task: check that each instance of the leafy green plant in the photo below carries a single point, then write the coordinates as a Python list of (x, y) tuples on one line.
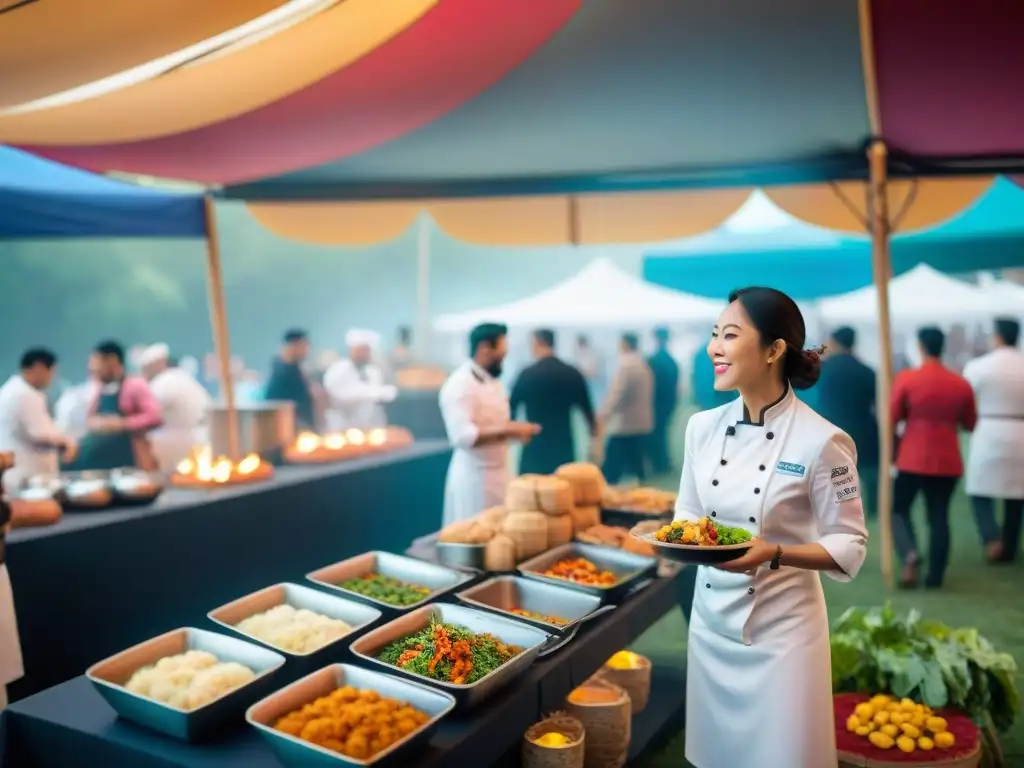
[(878, 651)]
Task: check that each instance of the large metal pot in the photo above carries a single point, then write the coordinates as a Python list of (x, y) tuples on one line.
[(263, 428)]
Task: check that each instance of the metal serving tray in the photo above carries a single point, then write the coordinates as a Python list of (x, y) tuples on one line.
[(504, 593), (437, 578), (112, 674), (529, 638), (296, 753), (628, 566), (357, 615)]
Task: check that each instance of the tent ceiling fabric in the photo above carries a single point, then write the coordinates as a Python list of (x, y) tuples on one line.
[(918, 204), (457, 50), (351, 224), (949, 76), (52, 46), (224, 85)]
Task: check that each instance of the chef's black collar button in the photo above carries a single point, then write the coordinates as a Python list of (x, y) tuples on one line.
[(770, 435), (708, 586), (753, 519), (714, 482), (724, 462), (750, 590), (761, 467), (730, 431), (714, 514), (757, 490)]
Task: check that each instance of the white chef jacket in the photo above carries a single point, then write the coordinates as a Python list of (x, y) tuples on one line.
[(25, 425), (995, 466), (356, 396), (185, 405), (758, 654), (71, 410), (473, 401)]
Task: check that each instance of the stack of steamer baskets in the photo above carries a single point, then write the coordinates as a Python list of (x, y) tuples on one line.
[(543, 506)]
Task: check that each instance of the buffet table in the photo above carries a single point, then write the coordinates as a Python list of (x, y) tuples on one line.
[(99, 582), (71, 725)]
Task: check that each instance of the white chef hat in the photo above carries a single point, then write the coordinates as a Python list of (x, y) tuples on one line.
[(361, 338), (154, 354)]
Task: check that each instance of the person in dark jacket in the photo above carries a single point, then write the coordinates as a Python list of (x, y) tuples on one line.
[(845, 395), (288, 382), (550, 389), (666, 399)]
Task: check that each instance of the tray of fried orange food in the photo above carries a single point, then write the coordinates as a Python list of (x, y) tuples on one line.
[(346, 715), (598, 570)]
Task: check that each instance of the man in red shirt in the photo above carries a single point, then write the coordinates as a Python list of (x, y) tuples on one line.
[(933, 403)]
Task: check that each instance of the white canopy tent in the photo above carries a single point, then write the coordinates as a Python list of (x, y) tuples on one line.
[(922, 295), (1006, 292), (601, 295)]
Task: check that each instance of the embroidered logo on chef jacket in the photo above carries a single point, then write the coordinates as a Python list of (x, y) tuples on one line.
[(840, 471), (849, 493), (794, 470)]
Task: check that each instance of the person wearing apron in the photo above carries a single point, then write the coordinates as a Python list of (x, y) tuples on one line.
[(106, 450)]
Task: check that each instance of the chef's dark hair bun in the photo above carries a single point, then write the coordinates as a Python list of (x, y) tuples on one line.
[(776, 316)]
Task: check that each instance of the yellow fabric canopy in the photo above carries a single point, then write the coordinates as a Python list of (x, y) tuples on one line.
[(56, 45), (222, 85), (608, 219)]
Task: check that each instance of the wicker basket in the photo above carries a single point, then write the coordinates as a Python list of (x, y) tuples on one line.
[(635, 682), (569, 756), (607, 725)]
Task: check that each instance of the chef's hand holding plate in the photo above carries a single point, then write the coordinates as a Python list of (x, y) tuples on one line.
[(760, 552)]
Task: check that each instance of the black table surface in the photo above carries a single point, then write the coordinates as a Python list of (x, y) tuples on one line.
[(99, 582), (71, 725)]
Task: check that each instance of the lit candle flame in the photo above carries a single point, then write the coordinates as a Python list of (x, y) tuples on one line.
[(334, 442), (355, 437), (307, 442), (378, 436), (249, 464), (205, 468)]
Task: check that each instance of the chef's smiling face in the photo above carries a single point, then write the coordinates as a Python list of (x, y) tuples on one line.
[(737, 351)]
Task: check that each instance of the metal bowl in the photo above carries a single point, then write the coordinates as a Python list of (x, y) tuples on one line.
[(437, 578), (357, 615), (690, 553), (135, 486), (112, 674), (86, 490), (628, 566), (531, 639), (294, 752), (503, 594), (461, 555), (39, 488)]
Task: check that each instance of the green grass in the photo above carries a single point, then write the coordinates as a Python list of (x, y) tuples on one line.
[(974, 595)]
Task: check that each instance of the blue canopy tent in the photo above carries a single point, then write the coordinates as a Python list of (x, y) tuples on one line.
[(43, 199), (807, 262)]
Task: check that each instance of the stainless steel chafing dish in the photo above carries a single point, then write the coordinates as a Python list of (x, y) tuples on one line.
[(136, 486), (86, 490)]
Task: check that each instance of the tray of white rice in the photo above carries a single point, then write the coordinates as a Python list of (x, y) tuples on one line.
[(188, 683), (304, 624)]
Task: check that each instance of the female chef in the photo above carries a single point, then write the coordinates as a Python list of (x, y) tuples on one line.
[(759, 684)]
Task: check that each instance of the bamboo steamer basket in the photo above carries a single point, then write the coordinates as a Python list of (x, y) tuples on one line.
[(492, 516), (528, 531), (500, 554), (540, 493), (569, 756), (560, 530), (635, 682), (585, 517), (607, 724), (587, 481)]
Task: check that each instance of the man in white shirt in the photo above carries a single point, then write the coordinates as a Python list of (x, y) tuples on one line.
[(184, 403), (26, 429), (355, 386)]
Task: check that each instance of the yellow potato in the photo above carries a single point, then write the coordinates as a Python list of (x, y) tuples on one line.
[(911, 731), (908, 706), (917, 720), (864, 730), (925, 743), (879, 700), (906, 744), (890, 730), (865, 711), (893, 706), (881, 740), (897, 718), (935, 724), (881, 718), (944, 740), (852, 723)]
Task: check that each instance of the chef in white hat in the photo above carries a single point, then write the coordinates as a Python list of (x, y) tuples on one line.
[(355, 386), (184, 402)]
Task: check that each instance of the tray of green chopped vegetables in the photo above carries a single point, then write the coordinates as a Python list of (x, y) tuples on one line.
[(389, 581), (467, 652)]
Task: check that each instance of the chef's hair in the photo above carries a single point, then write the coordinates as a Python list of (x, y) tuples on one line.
[(38, 356), (545, 336), (294, 335), (932, 340), (1008, 330), (486, 333), (631, 340), (777, 317), (110, 348), (845, 336)]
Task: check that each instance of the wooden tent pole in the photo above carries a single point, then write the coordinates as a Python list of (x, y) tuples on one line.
[(219, 322), (882, 269)]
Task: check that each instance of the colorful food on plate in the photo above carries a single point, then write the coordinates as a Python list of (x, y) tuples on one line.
[(386, 589), (449, 653), (647, 501), (189, 680), (625, 660), (582, 571), (553, 740), (556, 620), (355, 723), (889, 722), (293, 630), (703, 533)]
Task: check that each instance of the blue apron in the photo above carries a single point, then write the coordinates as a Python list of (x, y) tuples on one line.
[(101, 451)]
